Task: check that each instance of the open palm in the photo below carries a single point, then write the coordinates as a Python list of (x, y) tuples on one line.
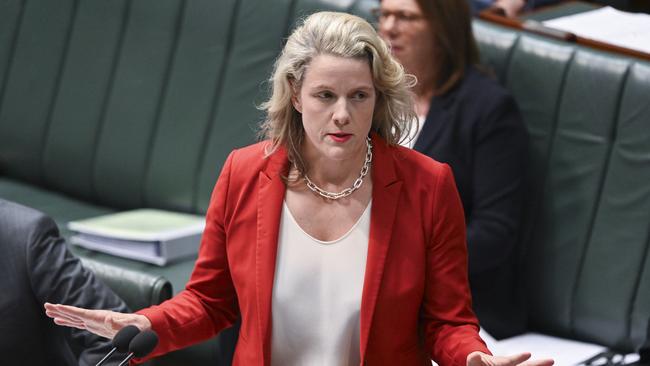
[(101, 322), (481, 359)]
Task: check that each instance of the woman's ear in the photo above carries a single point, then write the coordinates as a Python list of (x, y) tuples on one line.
[(295, 97), (295, 100)]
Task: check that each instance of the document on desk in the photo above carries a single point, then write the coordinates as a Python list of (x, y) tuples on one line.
[(609, 25), (563, 351), (148, 235)]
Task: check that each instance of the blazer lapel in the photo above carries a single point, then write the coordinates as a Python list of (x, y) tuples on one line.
[(439, 108), (385, 197), (271, 191)]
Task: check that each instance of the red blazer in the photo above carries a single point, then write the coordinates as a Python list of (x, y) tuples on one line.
[(415, 305)]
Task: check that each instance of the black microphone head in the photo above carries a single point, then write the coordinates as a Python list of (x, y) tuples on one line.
[(123, 338), (143, 343)]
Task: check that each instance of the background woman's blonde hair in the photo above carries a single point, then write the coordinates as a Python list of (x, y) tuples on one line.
[(344, 35)]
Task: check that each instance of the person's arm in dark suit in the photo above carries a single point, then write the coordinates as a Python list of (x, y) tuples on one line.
[(479, 5), (539, 3), (497, 190), (57, 276)]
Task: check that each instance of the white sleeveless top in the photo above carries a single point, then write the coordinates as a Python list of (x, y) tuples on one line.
[(317, 295)]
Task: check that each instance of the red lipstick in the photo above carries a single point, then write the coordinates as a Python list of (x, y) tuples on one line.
[(340, 137)]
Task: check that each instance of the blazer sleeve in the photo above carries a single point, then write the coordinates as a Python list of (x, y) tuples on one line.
[(57, 276), (497, 188), (209, 302), (450, 326)]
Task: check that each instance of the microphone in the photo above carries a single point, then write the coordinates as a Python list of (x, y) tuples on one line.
[(141, 345), (121, 341)]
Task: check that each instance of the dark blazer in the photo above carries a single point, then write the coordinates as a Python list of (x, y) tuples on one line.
[(477, 129), (415, 303), (36, 267)]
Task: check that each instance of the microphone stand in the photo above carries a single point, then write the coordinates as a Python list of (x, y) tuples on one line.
[(109, 354), (127, 359)]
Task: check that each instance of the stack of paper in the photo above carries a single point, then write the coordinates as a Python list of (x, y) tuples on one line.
[(623, 29), (148, 235), (565, 352)]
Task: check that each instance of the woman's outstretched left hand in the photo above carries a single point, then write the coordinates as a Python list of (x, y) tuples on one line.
[(104, 323), (481, 359)]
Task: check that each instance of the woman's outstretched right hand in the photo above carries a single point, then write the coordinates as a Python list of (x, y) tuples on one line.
[(101, 322)]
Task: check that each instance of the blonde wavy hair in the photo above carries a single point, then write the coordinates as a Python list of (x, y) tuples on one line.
[(343, 35)]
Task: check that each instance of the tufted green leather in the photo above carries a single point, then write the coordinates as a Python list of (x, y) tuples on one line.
[(631, 201), (138, 289), (610, 302), (137, 103), (586, 234), (496, 47), (577, 163), (30, 87)]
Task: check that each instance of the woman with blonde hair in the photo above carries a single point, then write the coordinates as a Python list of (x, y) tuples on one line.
[(303, 242)]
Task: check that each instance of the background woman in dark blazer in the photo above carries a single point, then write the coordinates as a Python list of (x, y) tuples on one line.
[(470, 122)]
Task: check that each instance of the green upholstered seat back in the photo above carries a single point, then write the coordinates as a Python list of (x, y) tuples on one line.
[(138, 289), (111, 101), (613, 299), (136, 103), (587, 221)]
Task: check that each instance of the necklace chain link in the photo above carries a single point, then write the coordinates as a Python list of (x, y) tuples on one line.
[(348, 191)]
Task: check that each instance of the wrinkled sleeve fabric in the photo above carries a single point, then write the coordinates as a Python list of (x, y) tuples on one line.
[(209, 302), (497, 189), (57, 276), (450, 326)]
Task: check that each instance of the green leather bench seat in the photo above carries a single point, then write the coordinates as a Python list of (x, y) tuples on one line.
[(138, 289), (586, 241), (125, 112), (61, 207)]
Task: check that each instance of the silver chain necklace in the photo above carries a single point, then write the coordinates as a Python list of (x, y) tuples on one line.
[(348, 191)]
